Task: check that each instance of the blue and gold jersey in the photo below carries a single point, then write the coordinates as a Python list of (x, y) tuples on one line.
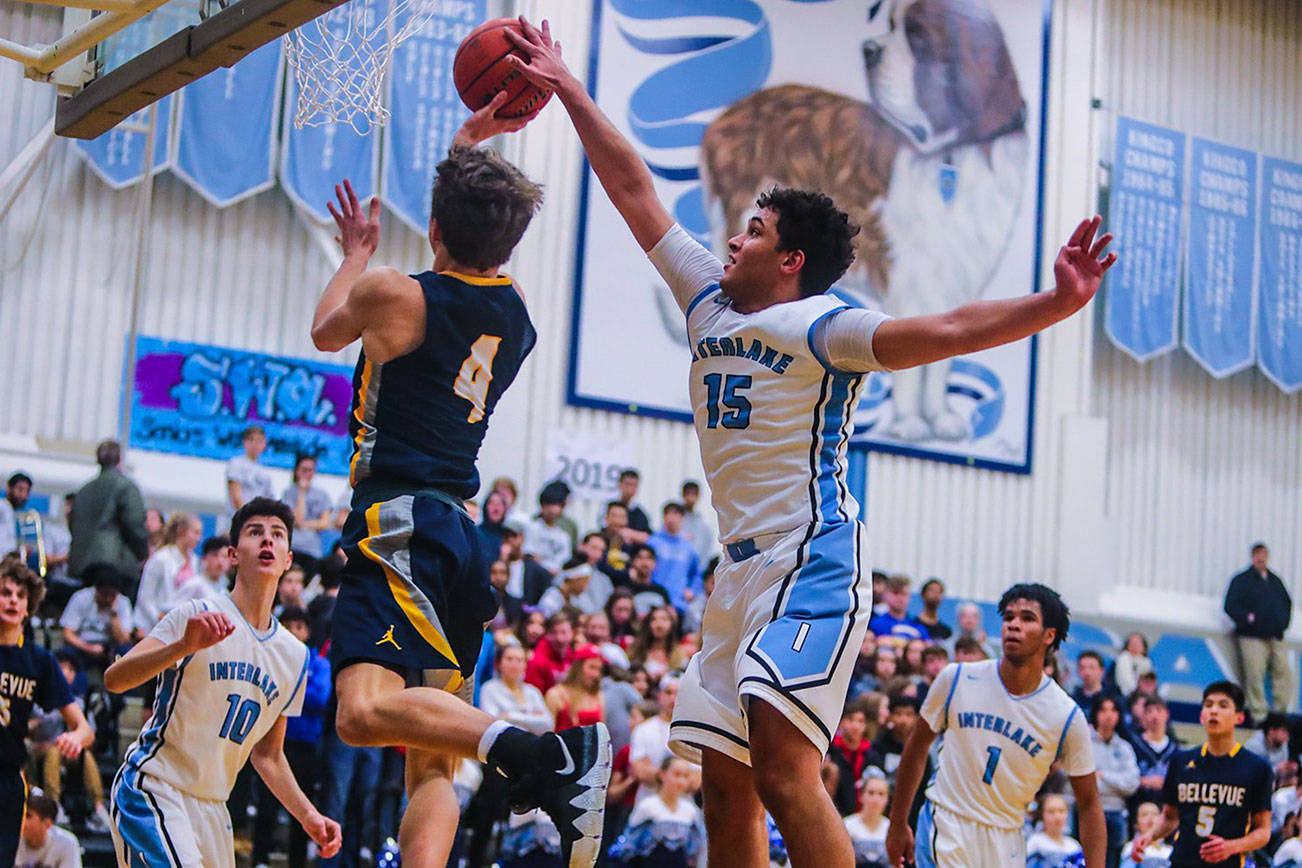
[(1214, 795), (29, 677), (420, 419)]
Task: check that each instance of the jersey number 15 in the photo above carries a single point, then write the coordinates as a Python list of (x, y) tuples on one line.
[(727, 391)]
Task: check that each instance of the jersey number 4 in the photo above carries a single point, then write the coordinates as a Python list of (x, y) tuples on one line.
[(727, 391), (475, 375)]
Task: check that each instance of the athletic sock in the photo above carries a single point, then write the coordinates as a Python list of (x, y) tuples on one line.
[(508, 749)]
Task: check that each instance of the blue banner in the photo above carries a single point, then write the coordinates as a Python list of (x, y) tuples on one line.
[(226, 137), (316, 158), (1143, 290), (424, 109), (193, 399), (1220, 292), (1279, 320)]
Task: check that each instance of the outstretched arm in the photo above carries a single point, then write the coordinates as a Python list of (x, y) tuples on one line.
[(919, 340), (913, 762), (622, 173), (1093, 831), (151, 656), (271, 765)]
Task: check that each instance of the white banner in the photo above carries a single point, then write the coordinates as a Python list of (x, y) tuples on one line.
[(934, 149), (588, 462)]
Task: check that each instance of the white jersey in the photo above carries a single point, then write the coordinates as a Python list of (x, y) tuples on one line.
[(215, 705), (772, 418), (998, 747)]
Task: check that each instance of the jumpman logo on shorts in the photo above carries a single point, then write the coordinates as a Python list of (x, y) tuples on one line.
[(388, 637)]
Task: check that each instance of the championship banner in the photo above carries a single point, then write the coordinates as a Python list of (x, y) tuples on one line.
[(226, 141), (819, 95), (588, 462), (1142, 300), (1279, 321), (315, 159), (425, 110), (1220, 293), (193, 399)]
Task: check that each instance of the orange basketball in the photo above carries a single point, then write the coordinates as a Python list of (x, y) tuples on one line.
[(481, 69)]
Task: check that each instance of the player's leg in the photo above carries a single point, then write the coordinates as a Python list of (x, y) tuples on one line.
[(212, 830), (734, 816), (13, 795), (377, 709), (430, 822), (151, 825), (787, 768)]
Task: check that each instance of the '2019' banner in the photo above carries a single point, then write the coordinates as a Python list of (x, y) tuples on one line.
[(723, 98), (193, 399)]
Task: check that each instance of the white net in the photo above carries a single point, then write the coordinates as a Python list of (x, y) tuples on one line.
[(340, 60)]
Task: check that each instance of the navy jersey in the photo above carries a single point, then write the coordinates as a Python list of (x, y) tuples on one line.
[(29, 676), (419, 419), (1214, 795)]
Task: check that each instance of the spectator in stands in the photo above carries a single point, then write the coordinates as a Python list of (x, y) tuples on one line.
[(569, 589), (696, 528), (1148, 817), (883, 666), (1116, 771), (647, 593), (1261, 609), (849, 753), (155, 521), (889, 744), (531, 630), (59, 586), (615, 523), (43, 844), (1051, 846), (622, 616), (8, 522), (1131, 663), (650, 741), (1089, 669), (665, 830), (1270, 741), (167, 570), (554, 654), (545, 539), (289, 590), (98, 620), (596, 631), (578, 699), (302, 747), (895, 625), (591, 552), (638, 527), (214, 562), (694, 615), (1154, 748), (656, 647), (933, 594), (934, 659), (677, 568), (245, 477), (322, 608), (970, 649), (868, 827), (526, 578), (312, 510), (46, 727), (509, 697), (969, 626), (108, 520), (25, 523), (510, 493), (510, 608)]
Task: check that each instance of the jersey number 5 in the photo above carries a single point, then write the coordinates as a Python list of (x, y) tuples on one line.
[(727, 392), (475, 375), (1206, 820)]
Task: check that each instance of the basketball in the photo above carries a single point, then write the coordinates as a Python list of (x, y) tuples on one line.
[(481, 69)]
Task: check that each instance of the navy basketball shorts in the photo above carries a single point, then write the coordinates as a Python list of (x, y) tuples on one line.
[(13, 807), (415, 594), (784, 626)]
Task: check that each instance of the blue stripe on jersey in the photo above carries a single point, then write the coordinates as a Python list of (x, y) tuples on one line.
[(924, 847), (1062, 737), (301, 674), (830, 506), (139, 825), (151, 740), (809, 338), (958, 673), (700, 297)]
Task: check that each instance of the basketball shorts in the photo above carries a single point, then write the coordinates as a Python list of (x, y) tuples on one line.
[(13, 807), (415, 594), (783, 625), (155, 825), (946, 840)]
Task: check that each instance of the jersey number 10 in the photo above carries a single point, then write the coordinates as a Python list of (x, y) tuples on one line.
[(240, 717)]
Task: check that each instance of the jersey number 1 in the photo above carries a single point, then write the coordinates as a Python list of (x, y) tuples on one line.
[(475, 375), (991, 763)]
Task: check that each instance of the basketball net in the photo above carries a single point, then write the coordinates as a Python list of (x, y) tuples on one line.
[(340, 60)]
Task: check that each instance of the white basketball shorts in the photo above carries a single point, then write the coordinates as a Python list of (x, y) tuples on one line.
[(783, 625), (946, 840), (157, 826)]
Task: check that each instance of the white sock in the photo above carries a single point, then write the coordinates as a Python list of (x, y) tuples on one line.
[(495, 729)]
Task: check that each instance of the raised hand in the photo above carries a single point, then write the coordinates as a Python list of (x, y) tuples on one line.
[(544, 66), (359, 233), (206, 629), (1078, 270), (484, 124)]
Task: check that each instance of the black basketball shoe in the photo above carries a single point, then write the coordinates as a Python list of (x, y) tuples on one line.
[(570, 785)]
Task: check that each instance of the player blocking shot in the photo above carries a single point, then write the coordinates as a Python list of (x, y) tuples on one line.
[(230, 678), (1005, 723), (777, 368), (439, 348), (1216, 797)]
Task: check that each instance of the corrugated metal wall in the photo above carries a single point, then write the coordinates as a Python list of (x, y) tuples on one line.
[(249, 276), (1199, 468)]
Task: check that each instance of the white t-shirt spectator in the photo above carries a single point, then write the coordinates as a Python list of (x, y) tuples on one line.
[(57, 542), (1284, 802), (869, 844), (84, 618), (199, 588), (549, 545), (1044, 852), (1289, 854), (650, 739), (529, 713), (316, 503), (8, 527), (253, 478), (1157, 855), (165, 572), (61, 850)]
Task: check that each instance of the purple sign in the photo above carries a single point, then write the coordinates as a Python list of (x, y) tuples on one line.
[(193, 399)]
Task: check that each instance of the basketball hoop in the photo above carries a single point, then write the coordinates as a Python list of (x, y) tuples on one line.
[(341, 58)]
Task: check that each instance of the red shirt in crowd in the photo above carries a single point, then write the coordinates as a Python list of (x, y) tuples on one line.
[(546, 666)]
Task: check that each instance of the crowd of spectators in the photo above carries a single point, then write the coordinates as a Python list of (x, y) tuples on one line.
[(598, 617)]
